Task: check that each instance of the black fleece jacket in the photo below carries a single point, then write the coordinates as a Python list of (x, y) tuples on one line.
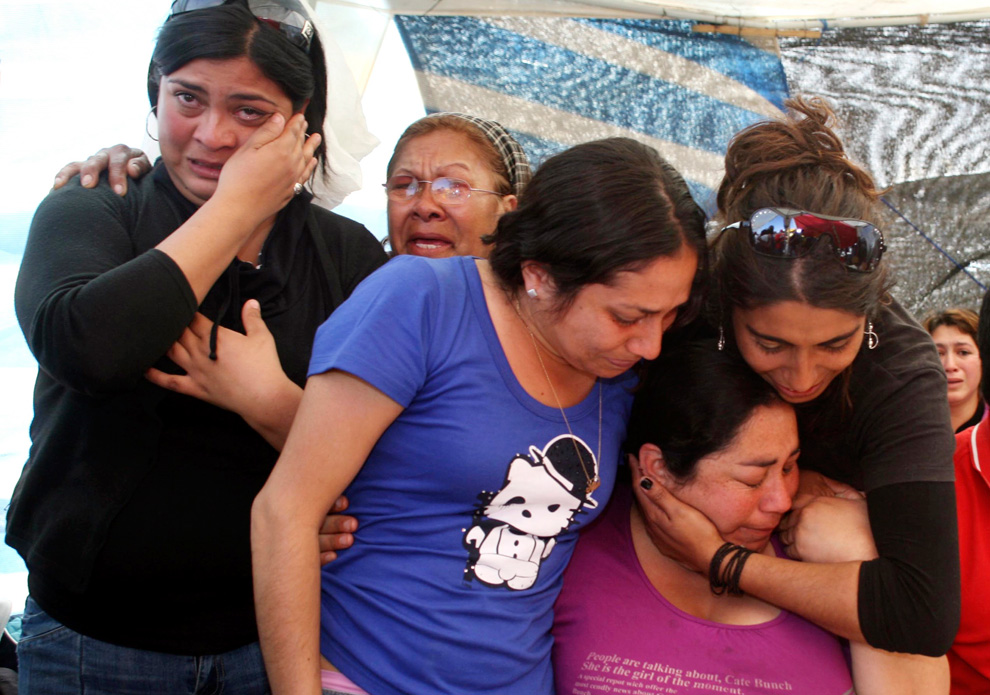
[(132, 512)]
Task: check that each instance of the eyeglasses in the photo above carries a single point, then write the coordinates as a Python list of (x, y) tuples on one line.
[(293, 24), (786, 233), (445, 189)]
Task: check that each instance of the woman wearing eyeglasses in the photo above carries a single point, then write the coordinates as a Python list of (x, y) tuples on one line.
[(450, 179), (132, 513), (813, 317)]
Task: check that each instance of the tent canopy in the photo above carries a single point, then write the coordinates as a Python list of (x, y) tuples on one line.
[(907, 80)]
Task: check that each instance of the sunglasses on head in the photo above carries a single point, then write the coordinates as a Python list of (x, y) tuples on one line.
[(293, 24), (786, 233)]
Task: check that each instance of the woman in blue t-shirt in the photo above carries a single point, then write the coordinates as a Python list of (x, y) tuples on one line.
[(473, 410)]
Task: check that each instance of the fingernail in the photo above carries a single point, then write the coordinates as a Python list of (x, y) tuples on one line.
[(646, 483), (87, 180), (118, 189), (58, 180)]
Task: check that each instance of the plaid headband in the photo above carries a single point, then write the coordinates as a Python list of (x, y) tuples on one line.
[(512, 154)]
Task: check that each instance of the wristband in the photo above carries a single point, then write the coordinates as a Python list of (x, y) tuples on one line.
[(726, 579)]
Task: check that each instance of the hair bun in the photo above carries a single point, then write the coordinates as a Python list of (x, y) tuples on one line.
[(795, 161)]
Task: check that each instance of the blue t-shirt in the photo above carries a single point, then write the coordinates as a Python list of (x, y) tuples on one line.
[(469, 503)]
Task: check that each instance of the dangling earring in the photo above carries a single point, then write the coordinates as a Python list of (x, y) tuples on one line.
[(147, 129), (533, 294), (872, 339), (721, 338)]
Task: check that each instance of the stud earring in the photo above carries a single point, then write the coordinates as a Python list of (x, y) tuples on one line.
[(533, 294), (721, 338), (872, 339)]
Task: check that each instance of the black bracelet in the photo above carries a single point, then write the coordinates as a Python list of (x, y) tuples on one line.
[(727, 580), (714, 569)]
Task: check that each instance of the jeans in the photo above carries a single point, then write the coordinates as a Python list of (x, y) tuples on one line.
[(54, 660)]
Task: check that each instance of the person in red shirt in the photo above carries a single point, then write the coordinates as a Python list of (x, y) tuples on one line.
[(969, 657)]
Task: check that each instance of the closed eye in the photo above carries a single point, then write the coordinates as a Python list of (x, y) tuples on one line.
[(831, 347), (623, 321)]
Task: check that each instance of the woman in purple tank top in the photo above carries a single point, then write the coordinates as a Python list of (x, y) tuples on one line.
[(632, 619)]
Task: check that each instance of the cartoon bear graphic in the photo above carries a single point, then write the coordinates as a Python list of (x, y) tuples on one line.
[(515, 528)]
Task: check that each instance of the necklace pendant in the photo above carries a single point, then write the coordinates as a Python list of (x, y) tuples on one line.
[(593, 485)]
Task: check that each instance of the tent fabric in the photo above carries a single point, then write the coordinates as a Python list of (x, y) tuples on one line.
[(954, 213), (914, 101), (557, 82), (912, 104), (914, 109)]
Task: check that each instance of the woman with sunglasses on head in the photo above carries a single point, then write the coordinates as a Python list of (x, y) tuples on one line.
[(132, 513), (800, 290), (475, 423), (954, 332), (722, 439)]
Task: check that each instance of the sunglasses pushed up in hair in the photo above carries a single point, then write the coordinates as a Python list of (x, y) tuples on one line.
[(292, 23), (786, 233)]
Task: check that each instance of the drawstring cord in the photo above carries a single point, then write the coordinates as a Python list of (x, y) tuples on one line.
[(232, 285)]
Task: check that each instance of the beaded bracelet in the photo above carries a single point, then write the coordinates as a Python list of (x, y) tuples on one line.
[(727, 580)]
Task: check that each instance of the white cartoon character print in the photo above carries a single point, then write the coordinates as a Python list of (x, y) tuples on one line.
[(515, 528)]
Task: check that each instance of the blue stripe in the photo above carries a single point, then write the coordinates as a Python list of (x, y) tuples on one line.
[(468, 50), (539, 149), (732, 56)]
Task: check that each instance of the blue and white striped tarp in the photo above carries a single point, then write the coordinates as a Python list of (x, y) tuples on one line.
[(556, 82)]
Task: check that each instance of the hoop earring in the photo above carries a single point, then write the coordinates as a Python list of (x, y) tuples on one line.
[(721, 338), (872, 339), (147, 119)]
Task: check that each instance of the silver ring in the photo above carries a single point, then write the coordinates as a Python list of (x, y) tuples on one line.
[(297, 188)]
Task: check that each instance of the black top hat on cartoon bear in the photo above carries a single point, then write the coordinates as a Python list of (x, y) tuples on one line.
[(571, 463)]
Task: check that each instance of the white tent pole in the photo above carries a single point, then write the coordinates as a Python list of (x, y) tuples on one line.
[(648, 10), (644, 10)]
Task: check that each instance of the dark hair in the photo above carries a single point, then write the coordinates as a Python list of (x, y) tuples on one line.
[(794, 162), (231, 31), (691, 403), (594, 210), (983, 345), (964, 320)]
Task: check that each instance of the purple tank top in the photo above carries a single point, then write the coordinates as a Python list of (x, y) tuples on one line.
[(614, 633)]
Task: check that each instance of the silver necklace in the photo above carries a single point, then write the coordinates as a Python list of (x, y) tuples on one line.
[(593, 482)]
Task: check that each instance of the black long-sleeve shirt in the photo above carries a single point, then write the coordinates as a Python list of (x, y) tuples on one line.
[(893, 439), (133, 510)]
